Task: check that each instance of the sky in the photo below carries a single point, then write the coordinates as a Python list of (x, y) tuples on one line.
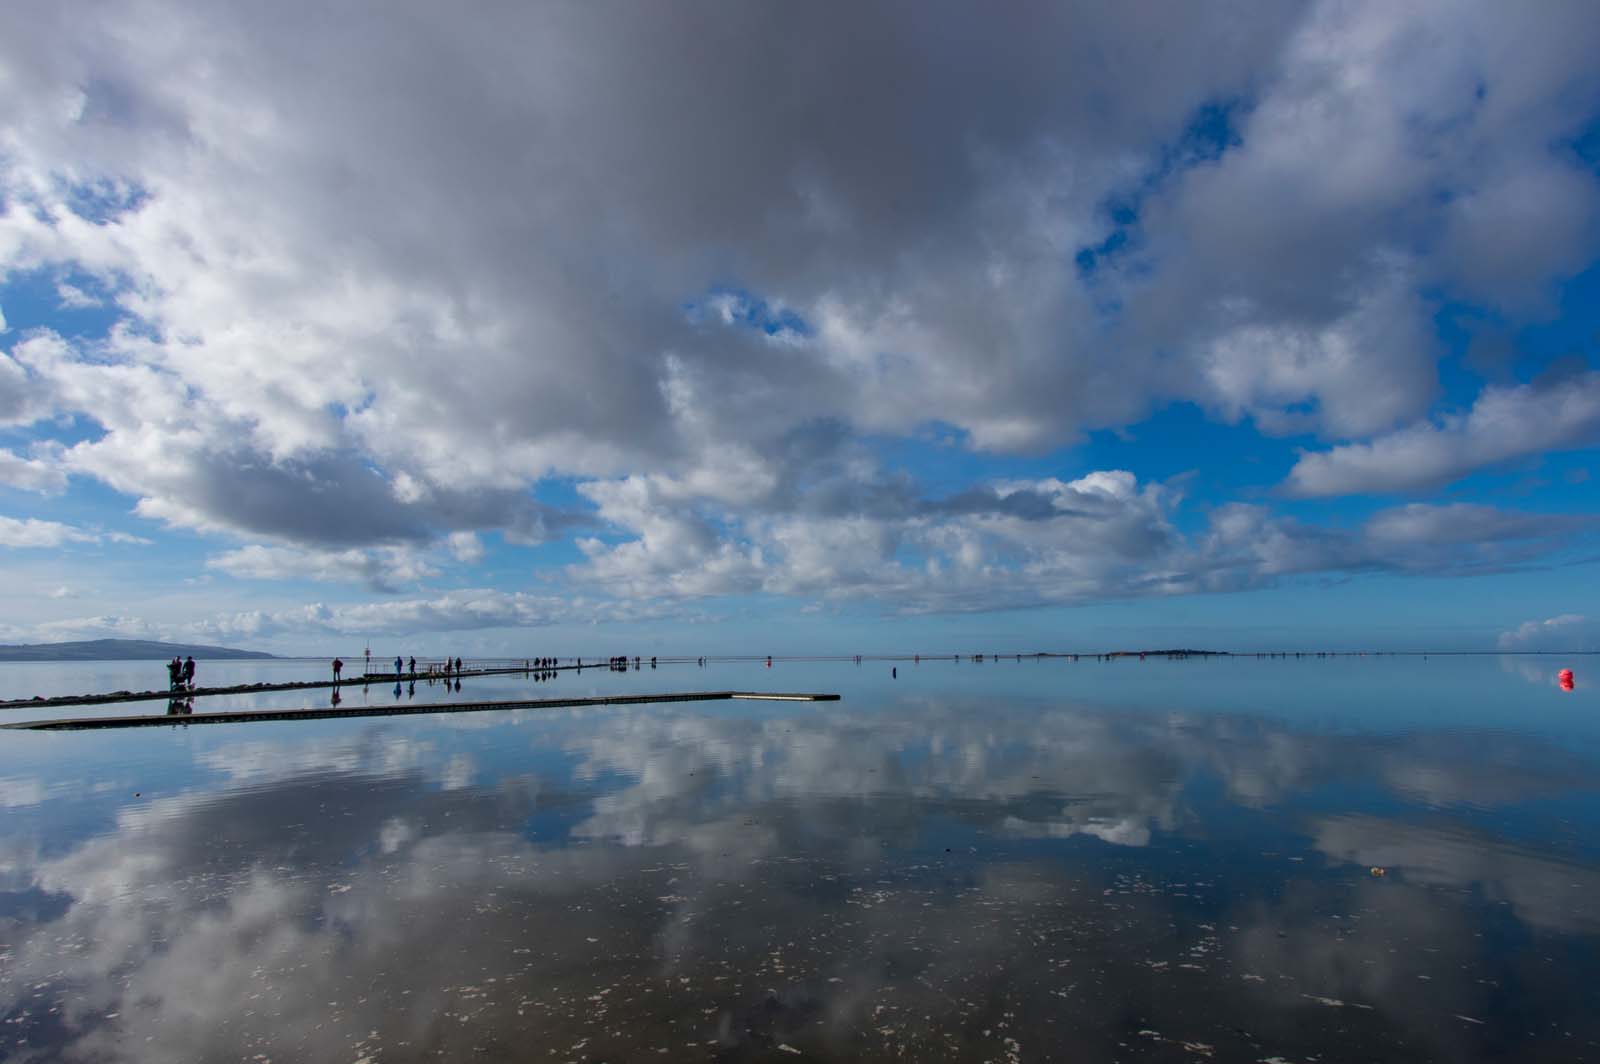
[(706, 328)]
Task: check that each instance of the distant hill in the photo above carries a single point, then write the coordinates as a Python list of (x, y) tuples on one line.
[(121, 650)]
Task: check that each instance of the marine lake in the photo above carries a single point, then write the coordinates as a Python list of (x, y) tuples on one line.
[(1238, 859)]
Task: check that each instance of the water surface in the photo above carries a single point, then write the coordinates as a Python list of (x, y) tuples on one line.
[(1006, 861)]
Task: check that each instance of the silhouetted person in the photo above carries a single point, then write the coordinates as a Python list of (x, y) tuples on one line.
[(397, 664), (174, 674), (188, 672), (337, 667), (413, 664), (458, 668)]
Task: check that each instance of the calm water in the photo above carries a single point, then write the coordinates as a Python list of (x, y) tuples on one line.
[(1008, 861)]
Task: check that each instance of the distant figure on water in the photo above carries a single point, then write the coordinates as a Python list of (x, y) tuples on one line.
[(458, 668), (397, 664), (337, 666), (413, 664), (188, 672), (174, 674)]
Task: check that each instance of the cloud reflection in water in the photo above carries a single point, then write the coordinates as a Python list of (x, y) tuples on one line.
[(941, 879)]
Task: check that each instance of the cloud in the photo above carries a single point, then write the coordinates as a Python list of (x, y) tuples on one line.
[(1021, 543), (382, 569), (461, 610), (1569, 631), (1103, 535), (1538, 888), (466, 547), (15, 792), (1558, 413), (31, 474), (192, 466), (71, 297), (30, 532), (23, 397), (656, 264)]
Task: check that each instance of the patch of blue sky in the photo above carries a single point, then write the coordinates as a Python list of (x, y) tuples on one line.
[(36, 299), (84, 502), (1584, 145), (506, 563), (1572, 329), (1479, 345), (1209, 134), (938, 458), (737, 306), (562, 493), (1554, 483), (105, 201), (63, 429)]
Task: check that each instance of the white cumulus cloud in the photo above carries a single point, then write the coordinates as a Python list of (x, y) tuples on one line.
[(1504, 423), (1568, 631)]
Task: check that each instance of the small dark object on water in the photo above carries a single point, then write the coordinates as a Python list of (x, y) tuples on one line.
[(894, 673)]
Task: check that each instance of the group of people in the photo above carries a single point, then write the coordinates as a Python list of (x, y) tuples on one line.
[(180, 674), (404, 666)]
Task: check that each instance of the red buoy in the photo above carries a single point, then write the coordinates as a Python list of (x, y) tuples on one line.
[(1564, 678)]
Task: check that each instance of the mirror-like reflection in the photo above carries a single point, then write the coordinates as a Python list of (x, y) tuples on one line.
[(923, 876)]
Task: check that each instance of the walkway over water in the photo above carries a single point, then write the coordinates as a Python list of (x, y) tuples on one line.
[(113, 697), (243, 716)]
